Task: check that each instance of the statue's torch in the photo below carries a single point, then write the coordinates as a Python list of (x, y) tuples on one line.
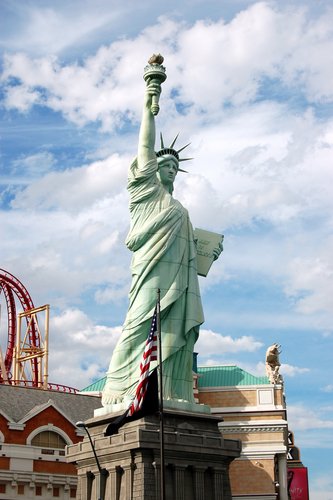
[(154, 72)]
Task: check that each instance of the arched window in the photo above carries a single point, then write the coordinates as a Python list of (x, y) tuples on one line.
[(49, 439)]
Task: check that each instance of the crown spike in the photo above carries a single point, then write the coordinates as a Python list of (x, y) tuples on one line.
[(171, 151), (181, 149), (174, 141)]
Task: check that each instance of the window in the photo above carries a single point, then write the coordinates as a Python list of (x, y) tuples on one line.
[(20, 489), (49, 439), (72, 493), (38, 491), (2, 488), (56, 492)]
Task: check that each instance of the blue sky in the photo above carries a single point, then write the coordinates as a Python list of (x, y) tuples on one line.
[(250, 86)]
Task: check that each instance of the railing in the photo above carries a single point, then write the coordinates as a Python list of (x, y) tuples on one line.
[(50, 386)]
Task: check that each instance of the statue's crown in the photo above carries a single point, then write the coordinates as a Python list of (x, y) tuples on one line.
[(171, 151)]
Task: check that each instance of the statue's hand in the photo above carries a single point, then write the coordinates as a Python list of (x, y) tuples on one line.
[(153, 89), (217, 251)]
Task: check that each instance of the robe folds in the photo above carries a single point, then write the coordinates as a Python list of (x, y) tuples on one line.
[(164, 257)]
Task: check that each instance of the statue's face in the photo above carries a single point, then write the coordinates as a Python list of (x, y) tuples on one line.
[(167, 171)]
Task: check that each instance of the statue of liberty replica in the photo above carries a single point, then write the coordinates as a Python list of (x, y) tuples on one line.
[(164, 257), (190, 460)]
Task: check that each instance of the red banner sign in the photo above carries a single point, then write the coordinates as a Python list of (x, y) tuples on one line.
[(298, 483)]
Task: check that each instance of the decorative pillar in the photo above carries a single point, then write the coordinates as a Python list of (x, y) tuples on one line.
[(283, 488), (179, 471), (218, 483), (113, 484), (128, 479), (86, 483), (199, 482), (32, 486), (157, 473), (66, 491)]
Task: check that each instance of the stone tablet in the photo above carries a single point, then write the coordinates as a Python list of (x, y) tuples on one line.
[(206, 243)]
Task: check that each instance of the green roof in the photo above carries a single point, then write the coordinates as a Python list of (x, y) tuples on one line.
[(97, 386), (209, 376), (227, 376)]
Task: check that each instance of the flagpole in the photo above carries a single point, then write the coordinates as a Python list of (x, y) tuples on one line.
[(160, 379)]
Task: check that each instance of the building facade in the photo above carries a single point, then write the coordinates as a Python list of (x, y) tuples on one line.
[(253, 411), (35, 428), (36, 425)]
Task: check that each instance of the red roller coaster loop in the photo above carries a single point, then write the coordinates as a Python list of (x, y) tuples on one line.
[(11, 287)]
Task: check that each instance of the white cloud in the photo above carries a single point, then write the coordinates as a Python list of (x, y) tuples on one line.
[(211, 343), (58, 265), (53, 28), (291, 371), (311, 282), (22, 98), (255, 46), (321, 494), (328, 388), (27, 168), (113, 293), (80, 350), (286, 370), (303, 418), (76, 188), (321, 487)]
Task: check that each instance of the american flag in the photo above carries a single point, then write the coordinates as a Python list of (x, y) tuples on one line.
[(149, 354)]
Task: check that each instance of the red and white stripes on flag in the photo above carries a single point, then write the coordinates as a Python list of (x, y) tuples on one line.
[(149, 354)]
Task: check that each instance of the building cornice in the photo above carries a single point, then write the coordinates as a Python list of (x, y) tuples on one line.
[(229, 388), (248, 428), (248, 409)]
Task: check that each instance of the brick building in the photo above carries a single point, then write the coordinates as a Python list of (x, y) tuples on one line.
[(254, 411), (35, 427)]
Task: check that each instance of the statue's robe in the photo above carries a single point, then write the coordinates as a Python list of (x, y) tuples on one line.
[(164, 257)]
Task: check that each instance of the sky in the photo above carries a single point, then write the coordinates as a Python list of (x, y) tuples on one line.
[(249, 84)]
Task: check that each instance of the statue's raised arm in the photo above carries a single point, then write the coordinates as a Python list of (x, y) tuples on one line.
[(147, 133), (154, 75)]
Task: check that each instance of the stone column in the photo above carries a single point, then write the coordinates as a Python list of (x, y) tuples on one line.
[(49, 490), (199, 482), (66, 491), (157, 473), (283, 488), (179, 471), (85, 484), (218, 484), (113, 484), (29, 490), (128, 480)]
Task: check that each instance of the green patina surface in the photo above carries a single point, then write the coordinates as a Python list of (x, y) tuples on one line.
[(227, 376), (164, 258), (209, 376)]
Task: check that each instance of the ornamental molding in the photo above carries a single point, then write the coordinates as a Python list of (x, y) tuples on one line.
[(260, 409), (239, 388), (16, 426), (38, 478), (255, 423), (247, 429)]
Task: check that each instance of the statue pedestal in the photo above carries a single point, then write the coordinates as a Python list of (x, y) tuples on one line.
[(196, 459)]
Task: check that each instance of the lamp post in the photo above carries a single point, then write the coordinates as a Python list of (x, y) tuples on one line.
[(102, 472)]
